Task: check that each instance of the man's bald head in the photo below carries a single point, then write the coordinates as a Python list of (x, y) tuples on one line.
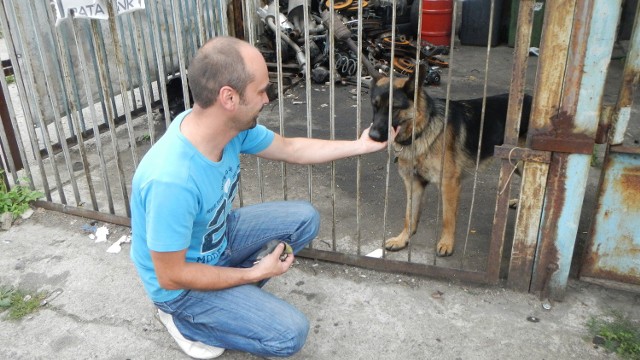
[(219, 62)]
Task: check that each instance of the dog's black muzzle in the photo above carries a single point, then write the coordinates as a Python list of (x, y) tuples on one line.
[(380, 127)]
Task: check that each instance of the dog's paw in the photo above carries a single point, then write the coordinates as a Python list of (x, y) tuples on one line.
[(395, 244), (444, 249)]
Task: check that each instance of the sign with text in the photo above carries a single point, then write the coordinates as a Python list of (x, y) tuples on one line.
[(94, 9)]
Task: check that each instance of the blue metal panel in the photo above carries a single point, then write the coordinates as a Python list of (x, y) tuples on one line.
[(564, 205), (577, 173), (599, 49), (614, 249)]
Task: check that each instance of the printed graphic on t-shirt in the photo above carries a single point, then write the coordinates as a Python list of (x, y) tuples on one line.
[(215, 240)]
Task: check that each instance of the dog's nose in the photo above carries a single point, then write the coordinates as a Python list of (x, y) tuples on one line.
[(377, 135)]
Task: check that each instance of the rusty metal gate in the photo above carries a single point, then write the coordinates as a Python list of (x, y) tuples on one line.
[(613, 250), (95, 88)]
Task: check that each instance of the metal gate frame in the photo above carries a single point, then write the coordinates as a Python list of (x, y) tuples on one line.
[(559, 144), (611, 256)]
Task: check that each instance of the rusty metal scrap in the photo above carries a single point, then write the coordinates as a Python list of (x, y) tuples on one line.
[(376, 46)]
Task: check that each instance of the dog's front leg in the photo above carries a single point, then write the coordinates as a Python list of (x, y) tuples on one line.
[(450, 191), (414, 189)]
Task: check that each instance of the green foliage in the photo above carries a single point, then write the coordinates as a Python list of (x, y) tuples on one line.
[(19, 303), (16, 201), (11, 79), (620, 335)]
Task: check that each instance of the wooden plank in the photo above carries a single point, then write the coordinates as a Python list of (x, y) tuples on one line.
[(525, 240)]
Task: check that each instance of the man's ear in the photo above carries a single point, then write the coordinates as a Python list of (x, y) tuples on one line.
[(228, 97)]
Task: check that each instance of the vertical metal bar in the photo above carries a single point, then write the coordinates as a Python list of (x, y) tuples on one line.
[(209, 22), (249, 22), (444, 129), (110, 117), (200, 23), (152, 43), (177, 24), (97, 44), (129, 79), (57, 76), (416, 96), (12, 120), (308, 102), (247, 11), (593, 39), (512, 129), (631, 76), (389, 126), (332, 112), (84, 71), (27, 110), (9, 147), (146, 79), (57, 117), (168, 34), (67, 58), (283, 165), (358, 127), (137, 60), (222, 17), (41, 119), (568, 173), (480, 137), (558, 20), (73, 114), (128, 108), (162, 70), (187, 35)]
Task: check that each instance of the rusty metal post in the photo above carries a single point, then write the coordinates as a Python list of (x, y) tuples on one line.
[(516, 96), (574, 128), (631, 76), (554, 51), (8, 128)]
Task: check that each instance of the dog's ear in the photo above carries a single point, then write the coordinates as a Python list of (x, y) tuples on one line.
[(410, 86)]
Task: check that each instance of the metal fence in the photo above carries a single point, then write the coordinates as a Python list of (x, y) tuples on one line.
[(91, 96)]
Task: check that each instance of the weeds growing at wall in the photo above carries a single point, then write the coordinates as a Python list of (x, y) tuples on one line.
[(618, 334), (16, 201)]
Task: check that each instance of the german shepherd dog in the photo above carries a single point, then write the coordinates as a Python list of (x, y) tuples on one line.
[(458, 143)]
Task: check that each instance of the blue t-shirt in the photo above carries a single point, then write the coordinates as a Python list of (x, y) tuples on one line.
[(180, 200)]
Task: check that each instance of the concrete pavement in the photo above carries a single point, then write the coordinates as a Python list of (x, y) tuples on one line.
[(101, 311)]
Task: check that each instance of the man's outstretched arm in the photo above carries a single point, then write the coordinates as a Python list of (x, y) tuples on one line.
[(316, 151)]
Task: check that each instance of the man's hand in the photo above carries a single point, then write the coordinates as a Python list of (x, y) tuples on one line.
[(271, 265), (371, 145)]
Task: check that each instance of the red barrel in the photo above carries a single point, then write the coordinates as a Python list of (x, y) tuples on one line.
[(436, 21)]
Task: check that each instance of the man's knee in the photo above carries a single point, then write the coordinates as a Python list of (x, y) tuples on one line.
[(291, 340), (309, 216)]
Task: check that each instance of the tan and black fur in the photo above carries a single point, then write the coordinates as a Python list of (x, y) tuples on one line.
[(459, 140)]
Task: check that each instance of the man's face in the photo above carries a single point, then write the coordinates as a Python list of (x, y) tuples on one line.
[(255, 95)]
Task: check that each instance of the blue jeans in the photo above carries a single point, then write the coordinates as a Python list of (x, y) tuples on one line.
[(246, 317)]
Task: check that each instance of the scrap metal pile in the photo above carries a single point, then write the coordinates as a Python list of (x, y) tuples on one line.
[(376, 46)]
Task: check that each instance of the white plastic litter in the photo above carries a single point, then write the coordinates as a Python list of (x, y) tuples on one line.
[(115, 247), (377, 253), (101, 234)]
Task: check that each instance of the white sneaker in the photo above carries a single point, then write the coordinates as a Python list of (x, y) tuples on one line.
[(195, 349)]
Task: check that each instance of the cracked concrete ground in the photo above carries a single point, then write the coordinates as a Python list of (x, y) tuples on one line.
[(101, 311)]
